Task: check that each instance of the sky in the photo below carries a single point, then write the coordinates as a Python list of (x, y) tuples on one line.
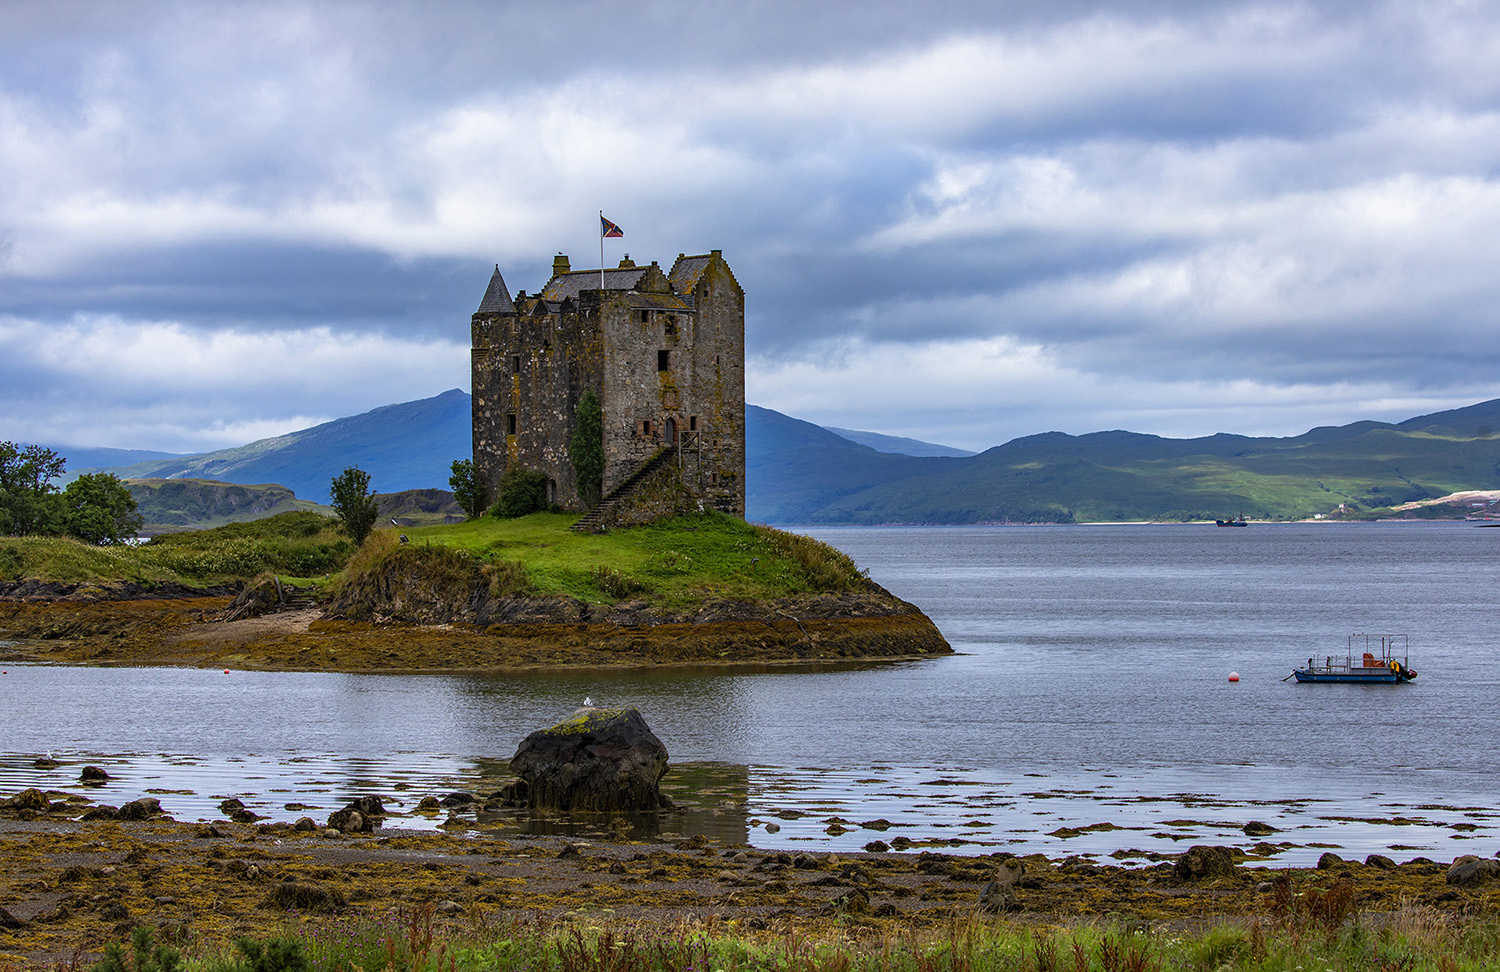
[(962, 222)]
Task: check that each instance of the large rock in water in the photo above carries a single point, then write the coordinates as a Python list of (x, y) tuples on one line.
[(597, 759)]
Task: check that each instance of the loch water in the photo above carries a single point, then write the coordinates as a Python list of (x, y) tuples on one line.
[(1087, 711)]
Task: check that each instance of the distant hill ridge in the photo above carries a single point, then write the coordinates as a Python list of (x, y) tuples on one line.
[(801, 473), (405, 446)]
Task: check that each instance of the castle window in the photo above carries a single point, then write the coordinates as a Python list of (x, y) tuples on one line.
[(510, 424), (663, 360), (692, 423), (645, 427), (515, 364), (645, 317)]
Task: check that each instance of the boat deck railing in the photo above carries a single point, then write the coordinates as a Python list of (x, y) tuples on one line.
[(1366, 652)]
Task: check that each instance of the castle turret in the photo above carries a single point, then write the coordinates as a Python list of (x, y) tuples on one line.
[(496, 297)]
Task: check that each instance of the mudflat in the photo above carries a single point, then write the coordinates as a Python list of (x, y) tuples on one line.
[(69, 887)]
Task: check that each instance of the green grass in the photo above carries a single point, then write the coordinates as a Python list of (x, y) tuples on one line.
[(299, 543), (672, 564)]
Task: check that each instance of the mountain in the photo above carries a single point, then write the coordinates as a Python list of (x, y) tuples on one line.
[(1110, 476), (801, 473), (405, 446), (898, 443), (93, 460)]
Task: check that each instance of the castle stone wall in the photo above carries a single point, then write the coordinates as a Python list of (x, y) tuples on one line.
[(668, 369)]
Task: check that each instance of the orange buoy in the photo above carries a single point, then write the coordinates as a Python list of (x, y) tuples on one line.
[(1234, 676)]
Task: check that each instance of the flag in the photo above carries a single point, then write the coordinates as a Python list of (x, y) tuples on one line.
[(609, 230)]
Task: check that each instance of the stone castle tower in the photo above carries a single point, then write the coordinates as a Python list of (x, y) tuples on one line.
[(663, 352)]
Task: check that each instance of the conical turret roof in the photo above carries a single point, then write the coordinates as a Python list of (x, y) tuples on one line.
[(496, 297)]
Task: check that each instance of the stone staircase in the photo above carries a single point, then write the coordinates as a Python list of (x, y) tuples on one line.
[(591, 521), (295, 598)]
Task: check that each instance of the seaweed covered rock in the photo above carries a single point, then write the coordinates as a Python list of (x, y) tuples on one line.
[(1469, 869), (1202, 862), (604, 760)]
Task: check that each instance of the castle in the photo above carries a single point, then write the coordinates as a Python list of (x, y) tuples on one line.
[(663, 353)]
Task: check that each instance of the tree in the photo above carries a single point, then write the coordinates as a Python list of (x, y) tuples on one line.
[(586, 449), (98, 508), (354, 502), (468, 488), (521, 491), (28, 497)]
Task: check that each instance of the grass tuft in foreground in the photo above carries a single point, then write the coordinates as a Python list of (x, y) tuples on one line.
[(418, 940)]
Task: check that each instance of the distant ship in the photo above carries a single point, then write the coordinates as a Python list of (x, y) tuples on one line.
[(1238, 521)]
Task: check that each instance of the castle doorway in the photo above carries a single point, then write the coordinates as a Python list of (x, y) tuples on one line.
[(672, 431), (551, 492)]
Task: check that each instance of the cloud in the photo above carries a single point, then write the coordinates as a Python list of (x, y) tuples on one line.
[(981, 392), (1273, 196), (105, 381)]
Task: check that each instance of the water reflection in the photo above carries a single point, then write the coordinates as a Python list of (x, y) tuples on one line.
[(1090, 688), (1091, 813)]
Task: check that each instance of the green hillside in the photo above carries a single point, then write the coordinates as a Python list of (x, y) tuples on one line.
[(800, 476)]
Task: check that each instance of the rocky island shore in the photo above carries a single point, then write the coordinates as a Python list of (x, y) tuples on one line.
[(483, 596)]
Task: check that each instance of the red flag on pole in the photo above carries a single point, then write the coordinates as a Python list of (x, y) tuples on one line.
[(608, 230)]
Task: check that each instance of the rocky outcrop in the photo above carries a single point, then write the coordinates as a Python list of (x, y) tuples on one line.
[(361, 816), (1203, 862), (143, 809), (605, 760), (1469, 869)]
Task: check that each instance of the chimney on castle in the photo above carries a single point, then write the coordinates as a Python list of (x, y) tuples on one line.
[(559, 264)]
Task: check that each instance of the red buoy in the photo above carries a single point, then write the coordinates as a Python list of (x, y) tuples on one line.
[(1234, 676)]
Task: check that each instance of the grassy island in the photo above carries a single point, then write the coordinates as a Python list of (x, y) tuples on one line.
[(483, 595)]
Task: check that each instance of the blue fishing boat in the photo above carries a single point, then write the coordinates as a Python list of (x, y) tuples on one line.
[(1382, 659)]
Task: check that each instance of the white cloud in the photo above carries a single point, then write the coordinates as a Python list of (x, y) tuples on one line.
[(159, 385), (1225, 217), (979, 393)]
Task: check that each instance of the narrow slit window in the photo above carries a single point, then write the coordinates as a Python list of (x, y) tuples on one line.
[(646, 427), (515, 364), (692, 423), (510, 424), (663, 360), (645, 317)]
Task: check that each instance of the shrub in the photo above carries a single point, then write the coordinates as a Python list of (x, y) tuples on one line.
[(520, 492), (508, 578), (141, 957), (823, 569), (615, 584)]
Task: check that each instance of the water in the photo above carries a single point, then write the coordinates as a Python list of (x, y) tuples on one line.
[(1090, 688)]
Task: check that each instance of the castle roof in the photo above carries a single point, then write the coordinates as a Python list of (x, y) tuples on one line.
[(496, 298), (573, 282), (687, 270), (658, 302)]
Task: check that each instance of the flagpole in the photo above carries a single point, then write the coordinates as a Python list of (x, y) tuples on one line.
[(601, 261)]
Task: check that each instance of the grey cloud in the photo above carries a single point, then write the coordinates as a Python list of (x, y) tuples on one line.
[(360, 166)]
